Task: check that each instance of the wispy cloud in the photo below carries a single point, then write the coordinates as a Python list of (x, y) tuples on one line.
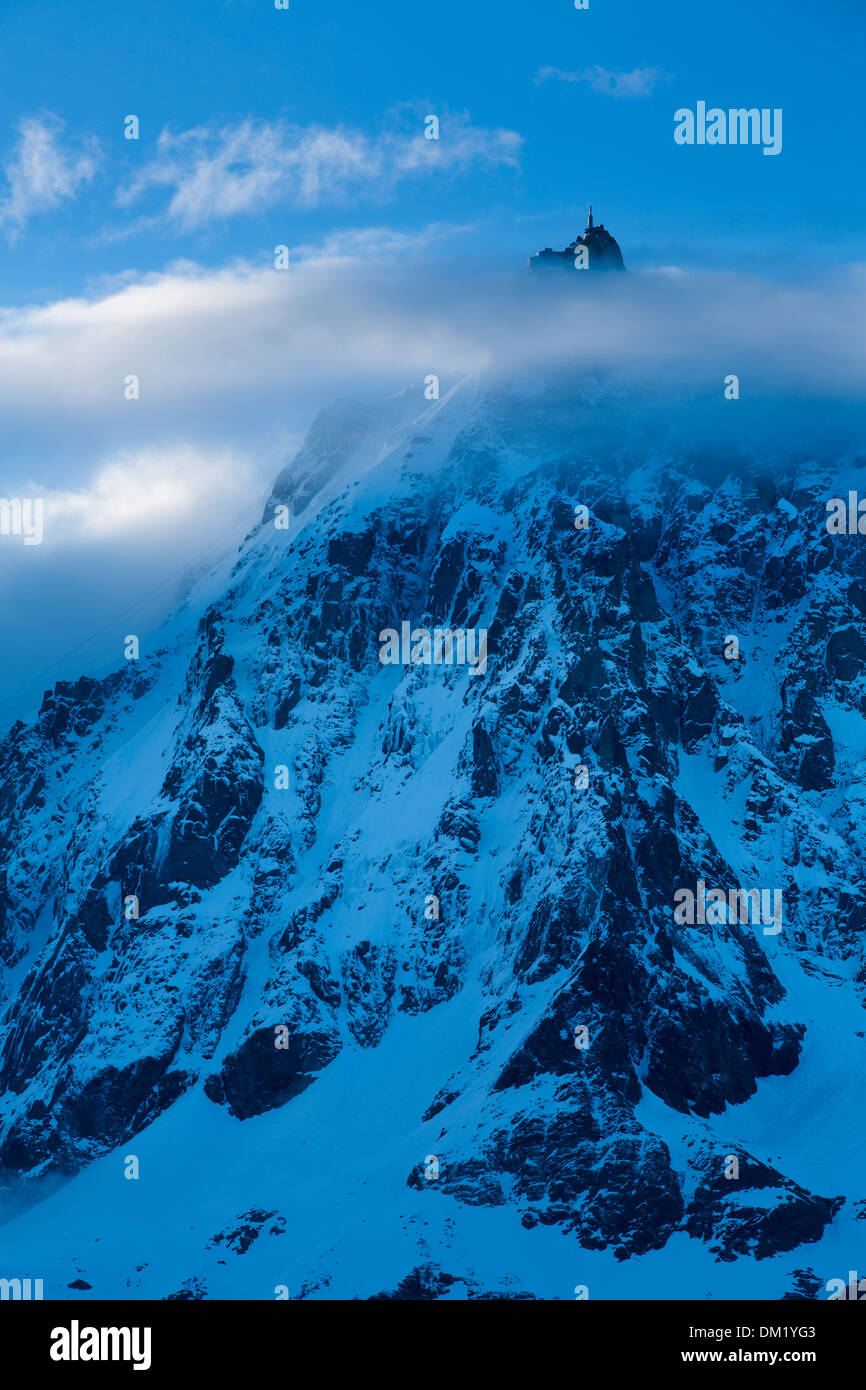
[(41, 173), (641, 82), (373, 243), (146, 490), (214, 174)]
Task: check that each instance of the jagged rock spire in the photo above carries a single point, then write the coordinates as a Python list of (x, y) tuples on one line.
[(599, 251)]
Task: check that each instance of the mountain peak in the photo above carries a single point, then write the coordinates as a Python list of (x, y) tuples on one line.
[(596, 249)]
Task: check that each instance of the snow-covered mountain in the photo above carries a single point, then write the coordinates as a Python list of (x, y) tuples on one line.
[(405, 1010)]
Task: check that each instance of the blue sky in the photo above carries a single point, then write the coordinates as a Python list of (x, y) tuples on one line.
[(374, 71)]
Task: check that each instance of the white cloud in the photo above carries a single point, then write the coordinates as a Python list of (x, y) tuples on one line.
[(217, 174), (201, 341), (120, 549), (148, 491), (365, 243), (41, 173), (641, 82)]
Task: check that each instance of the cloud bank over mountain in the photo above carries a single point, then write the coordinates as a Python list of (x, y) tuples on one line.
[(334, 322), (231, 366)]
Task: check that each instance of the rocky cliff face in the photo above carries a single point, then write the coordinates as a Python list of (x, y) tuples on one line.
[(387, 955)]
